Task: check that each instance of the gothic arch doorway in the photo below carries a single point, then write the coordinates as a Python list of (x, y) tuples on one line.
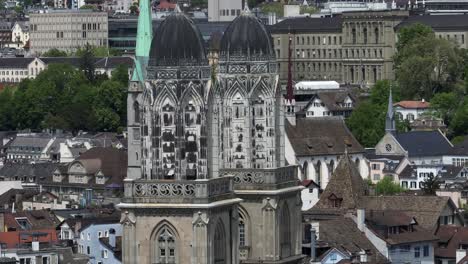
[(220, 256)]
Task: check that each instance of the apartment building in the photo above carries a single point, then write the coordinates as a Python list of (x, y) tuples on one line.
[(67, 30)]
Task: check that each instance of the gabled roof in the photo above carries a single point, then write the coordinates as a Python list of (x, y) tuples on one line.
[(15, 62), (460, 149), (38, 170), (112, 163), (113, 62), (346, 184), (413, 104), (453, 236), (343, 234), (31, 141), (321, 136), (426, 209), (333, 99), (424, 143)]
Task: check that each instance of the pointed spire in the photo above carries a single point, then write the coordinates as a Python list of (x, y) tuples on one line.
[(143, 40), (305, 3), (390, 117), (246, 10), (289, 87)]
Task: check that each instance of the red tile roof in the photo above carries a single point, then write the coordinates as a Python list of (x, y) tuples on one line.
[(14, 239), (453, 236), (165, 5), (413, 104)]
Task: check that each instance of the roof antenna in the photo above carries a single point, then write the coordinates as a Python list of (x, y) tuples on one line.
[(177, 9)]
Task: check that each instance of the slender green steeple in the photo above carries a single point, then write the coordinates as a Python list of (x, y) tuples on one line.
[(143, 41)]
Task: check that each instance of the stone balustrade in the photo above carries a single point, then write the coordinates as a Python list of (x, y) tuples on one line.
[(143, 190), (262, 179)]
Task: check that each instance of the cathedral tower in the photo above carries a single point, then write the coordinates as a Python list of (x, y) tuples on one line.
[(174, 209), (246, 123)]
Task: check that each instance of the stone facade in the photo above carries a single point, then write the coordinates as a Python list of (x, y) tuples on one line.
[(206, 178), (67, 30), (356, 48)]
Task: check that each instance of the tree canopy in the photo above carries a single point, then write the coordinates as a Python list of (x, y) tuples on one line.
[(367, 122), (386, 186), (424, 64), (62, 97)]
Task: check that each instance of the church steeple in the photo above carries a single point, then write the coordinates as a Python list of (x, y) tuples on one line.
[(390, 117), (143, 40)]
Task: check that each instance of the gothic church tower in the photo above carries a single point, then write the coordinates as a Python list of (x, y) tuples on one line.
[(174, 211), (246, 123)]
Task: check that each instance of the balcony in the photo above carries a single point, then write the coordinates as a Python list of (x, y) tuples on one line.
[(262, 179), (185, 191)]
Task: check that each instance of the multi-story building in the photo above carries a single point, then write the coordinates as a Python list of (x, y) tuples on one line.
[(5, 33), (20, 34), (101, 241), (67, 30), (223, 10), (355, 48)]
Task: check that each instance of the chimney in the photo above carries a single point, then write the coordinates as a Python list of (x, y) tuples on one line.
[(460, 254), (423, 100), (361, 218), (35, 246)]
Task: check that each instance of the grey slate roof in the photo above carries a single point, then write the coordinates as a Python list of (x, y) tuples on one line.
[(438, 22), (424, 143), (31, 141), (15, 62), (39, 170), (321, 136), (113, 62), (307, 24)]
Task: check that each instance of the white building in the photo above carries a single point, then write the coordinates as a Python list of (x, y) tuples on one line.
[(410, 110), (223, 10), (20, 34), (317, 144)]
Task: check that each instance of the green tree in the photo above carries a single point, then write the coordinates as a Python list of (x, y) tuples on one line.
[(88, 7), (120, 74), (367, 122), (55, 53), (7, 109), (87, 60), (387, 186), (424, 64), (430, 185), (459, 123), (134, 8), (444, 105)]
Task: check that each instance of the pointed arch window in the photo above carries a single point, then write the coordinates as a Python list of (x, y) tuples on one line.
[(136, 112), (165, 247), (220, 244), (285, 233)]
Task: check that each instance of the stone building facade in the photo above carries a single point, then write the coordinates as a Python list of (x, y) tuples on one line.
[(207, 181), (356, 47), (67, 30)]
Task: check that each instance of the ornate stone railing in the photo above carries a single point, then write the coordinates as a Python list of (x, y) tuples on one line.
[(142, 190), (262, 179)]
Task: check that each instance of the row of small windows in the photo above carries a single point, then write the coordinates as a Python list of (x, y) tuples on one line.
[(229, 12), (460, 39), (11, 80), (318, 66), (14, 72), (89, 26), (330, 54), (316, 40), (365, 36)]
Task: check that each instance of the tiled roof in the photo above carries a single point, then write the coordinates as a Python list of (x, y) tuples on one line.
[(333, 99), (460, 148), (111, 162), (13, 239), (413, 104), (31, 141), (345, 184), (453, 236), (38, 219), (321, 136), (15, 63), (306, 25), (426, 209), (424, 143), (38, 170), (342, 233)]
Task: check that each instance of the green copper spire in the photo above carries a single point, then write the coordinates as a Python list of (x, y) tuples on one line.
[(143, 41)]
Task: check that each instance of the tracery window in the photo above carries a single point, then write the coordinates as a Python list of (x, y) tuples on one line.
[(165, 247)]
